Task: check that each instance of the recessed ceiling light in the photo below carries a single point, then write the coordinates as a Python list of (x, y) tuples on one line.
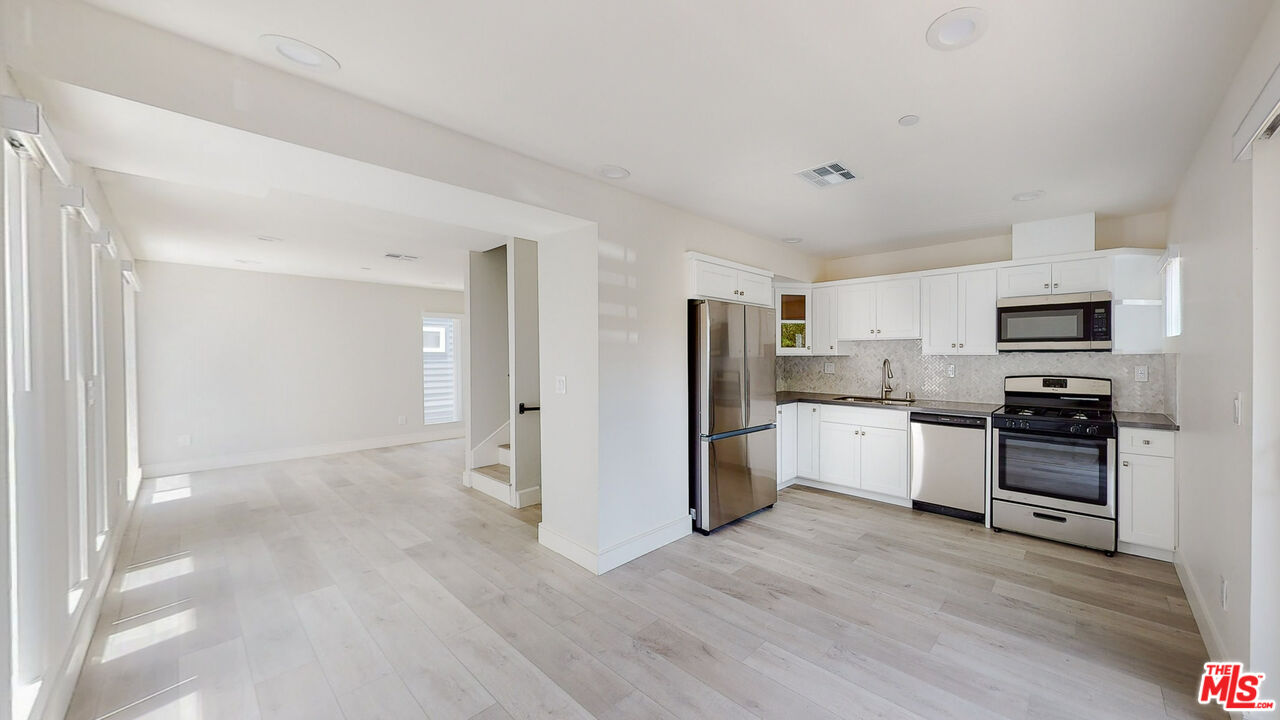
[(959, 28), (299, 52), (614, 172), (1029, 195), (908, 120), (792, 241)]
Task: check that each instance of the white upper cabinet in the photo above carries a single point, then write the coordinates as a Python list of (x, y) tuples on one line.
[(898, 309), (977, 312), (958, 315), (793, 311), (856, 312), (1026, 280), (1078, 276), (888, 310), (822, 321), (939, 316), (724, 280), (1071, 276)]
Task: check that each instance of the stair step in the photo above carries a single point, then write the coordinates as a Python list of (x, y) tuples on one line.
[(501, 473), (504, 454)]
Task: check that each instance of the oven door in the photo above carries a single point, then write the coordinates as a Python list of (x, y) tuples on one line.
[(1066, 472), (1053, 322)]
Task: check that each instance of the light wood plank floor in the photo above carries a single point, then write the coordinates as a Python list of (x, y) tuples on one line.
[(372, 585)]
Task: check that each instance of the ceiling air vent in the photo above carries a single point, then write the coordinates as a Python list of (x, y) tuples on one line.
[(826, 175), (398, 256)]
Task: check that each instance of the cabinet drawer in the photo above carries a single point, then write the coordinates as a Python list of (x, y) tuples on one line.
[(1147, 442), (867, 417)]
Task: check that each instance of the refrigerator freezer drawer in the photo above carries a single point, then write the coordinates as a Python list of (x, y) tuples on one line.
[(735, 477)]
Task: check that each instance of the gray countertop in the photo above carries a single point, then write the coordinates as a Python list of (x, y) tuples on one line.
[(1150, 421)]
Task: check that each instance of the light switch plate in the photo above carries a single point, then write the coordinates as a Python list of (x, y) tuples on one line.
[(560, 385), (1237, 409), (401, 420), (829, 368), (1140, 373)]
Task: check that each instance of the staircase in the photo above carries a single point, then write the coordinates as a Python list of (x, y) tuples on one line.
[(495, 480)]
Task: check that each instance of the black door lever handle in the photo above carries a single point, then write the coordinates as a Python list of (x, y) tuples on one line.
[(528, 408)]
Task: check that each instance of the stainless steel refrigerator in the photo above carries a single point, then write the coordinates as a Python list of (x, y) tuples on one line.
[(733, 445)]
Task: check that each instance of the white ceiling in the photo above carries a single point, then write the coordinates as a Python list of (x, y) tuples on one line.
[(714, 104), (190, 191)]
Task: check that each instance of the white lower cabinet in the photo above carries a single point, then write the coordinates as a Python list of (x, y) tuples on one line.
[(863, 451), (839, 454), (807, 445), (882, 461), (1147, 493), (787, 444)]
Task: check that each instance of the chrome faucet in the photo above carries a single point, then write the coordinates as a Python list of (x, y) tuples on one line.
[(887, 373)]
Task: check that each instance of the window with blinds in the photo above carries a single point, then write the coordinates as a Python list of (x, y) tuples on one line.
[(439, 371)]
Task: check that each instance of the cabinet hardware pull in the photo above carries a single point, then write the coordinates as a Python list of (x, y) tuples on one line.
[(961, 344), (1046, 286), (1125, 463), (1055, 285), (1146, 442), (953, 344)]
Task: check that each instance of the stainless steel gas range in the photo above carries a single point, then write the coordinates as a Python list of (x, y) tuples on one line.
[(1054, 460)]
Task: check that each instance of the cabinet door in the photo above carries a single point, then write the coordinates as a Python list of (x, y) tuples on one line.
[(898, 309), (838, 454), (977, 313), (883, 461), (755, 289), (938, 315), (794, 317), (807, 441), (1147, 498), (822, 321), (787, 442), (1026, 280), (714, 281), (856, 312), (1080, 275)]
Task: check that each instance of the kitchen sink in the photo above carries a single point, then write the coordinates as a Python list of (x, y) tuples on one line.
[(877, 400)]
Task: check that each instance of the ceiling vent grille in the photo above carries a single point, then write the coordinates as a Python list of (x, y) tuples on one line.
[(826, 175), (402, 258)]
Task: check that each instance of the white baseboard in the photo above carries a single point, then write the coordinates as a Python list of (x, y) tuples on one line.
[(1199, 610), (1144, 551), (55, 696), (444, 432), (488, 486), (618, 554), (646, 542), (528, 496), (787, 483), (556, 542), (854, 492)]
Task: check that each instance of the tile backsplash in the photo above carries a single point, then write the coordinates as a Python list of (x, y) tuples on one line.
[(978, 378)]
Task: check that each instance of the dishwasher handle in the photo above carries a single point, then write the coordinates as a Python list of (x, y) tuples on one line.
[(968, 421)]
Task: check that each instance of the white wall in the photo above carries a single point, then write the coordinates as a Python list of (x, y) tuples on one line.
[(489, 345), (256, 366), (1210, 220), (1265, 601), (642, 395)]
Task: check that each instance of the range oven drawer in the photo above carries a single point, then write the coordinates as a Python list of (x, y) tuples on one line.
[(1091, 532)]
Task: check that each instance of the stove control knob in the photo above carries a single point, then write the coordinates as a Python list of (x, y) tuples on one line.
[(1076, 429), (1092, 430)]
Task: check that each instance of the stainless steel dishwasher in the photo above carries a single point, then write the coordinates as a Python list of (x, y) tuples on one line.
[(949, 464)]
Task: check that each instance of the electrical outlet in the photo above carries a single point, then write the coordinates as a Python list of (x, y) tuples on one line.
[(829, 368), (560, 385), (1222, 591), (184, 441), (400, 420), (1140, 373), (951, 371), (1237, 409)]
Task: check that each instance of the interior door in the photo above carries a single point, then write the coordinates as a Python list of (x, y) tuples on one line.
[(939, 319), (526, 427), (977, 323), (856, 312)]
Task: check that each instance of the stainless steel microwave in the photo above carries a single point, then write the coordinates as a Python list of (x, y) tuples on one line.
[(1073, 322)]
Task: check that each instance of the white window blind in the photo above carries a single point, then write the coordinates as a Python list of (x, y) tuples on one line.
[(439, 370)]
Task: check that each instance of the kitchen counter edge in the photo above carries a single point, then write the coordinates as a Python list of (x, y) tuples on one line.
[(1148, 421)]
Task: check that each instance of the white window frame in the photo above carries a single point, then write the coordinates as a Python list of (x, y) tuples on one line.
[(458, 330)]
